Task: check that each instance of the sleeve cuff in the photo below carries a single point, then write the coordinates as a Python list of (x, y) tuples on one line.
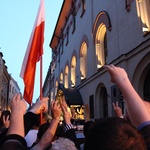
[(68, 127)]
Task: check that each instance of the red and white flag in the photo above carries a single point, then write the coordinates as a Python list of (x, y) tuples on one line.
[(33, 54)]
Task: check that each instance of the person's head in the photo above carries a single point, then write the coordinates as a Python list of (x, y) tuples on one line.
[(59, 132), (5, 114), (42, 130), (63, 144), (113, 133), (86, 127)]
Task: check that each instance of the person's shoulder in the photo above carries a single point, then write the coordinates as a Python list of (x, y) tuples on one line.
[(144, 126)]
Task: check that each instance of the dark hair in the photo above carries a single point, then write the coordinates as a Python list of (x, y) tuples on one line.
[(4, 113), (60, 131), (42, 130), (113, 133), (86, 127)]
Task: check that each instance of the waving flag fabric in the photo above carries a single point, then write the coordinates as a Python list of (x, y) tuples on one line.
[(33, 54)]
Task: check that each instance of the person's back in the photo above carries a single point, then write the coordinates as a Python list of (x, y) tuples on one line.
[(115, 134)]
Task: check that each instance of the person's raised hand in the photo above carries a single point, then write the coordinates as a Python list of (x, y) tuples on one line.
[(18, 109), (18, 104), (6, 121), (117, 110), (66, 112), (56, 110), (40, 106), (117, 74)]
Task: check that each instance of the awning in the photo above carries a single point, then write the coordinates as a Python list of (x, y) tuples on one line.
[(72, 95)]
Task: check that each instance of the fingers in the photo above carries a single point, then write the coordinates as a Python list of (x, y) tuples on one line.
[(54, 103), (115, 106), (64, 109), (3, 118), (44, 103), (7, 118), (45, 99), (17, 97), (14, 97), (109, 67)]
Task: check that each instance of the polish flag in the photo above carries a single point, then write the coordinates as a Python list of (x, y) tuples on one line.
[(33, 54)]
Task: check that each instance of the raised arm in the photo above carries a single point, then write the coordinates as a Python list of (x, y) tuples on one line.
[(33, 114), (137, 110), (15, 135), (69, 128), (50, 132), (18, 108)]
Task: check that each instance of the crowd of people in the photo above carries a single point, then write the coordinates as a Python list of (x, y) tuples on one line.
[(129, 131)]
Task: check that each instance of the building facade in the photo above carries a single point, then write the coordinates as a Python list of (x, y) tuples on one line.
[(13, 88), (4, 83), (90, 34), (8, 86)]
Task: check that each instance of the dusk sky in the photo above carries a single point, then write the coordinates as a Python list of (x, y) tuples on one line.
[(17, 19)]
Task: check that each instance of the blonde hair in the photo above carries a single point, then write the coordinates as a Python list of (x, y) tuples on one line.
[(63, 144)]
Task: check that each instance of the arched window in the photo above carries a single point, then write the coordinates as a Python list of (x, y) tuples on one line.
[(56, 87), (61, 77), (83, 60), (66, 77), (52, 94), (143, 11), (73, 71), (101, 25), (101, 46)]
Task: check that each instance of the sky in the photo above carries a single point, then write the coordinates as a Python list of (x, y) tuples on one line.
[(17, 19)]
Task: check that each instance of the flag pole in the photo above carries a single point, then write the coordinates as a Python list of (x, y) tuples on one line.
[(41, 68), (41, 93)]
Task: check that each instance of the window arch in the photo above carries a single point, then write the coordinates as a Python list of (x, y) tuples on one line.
[(73, 71), (101, 25), (83, 60), (143, 12), (128, 3), (66, 76)]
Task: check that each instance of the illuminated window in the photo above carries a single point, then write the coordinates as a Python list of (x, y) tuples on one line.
[(143, 12), (83, 60), (52, 94), (61, 78), (56, 87), (101, 46), (101, 25), (66, 77), (73, 71)]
